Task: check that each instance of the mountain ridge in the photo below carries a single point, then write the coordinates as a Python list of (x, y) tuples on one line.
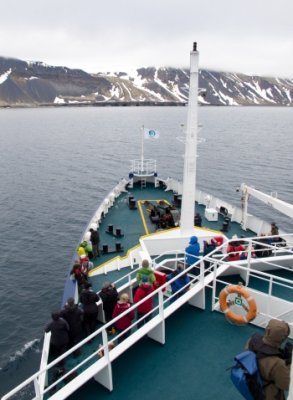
[(33, 83)]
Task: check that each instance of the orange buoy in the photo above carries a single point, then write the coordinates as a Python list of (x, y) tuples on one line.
[(225, 304)]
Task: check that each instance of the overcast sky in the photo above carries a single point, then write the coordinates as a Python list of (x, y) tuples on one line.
[(249, 36)]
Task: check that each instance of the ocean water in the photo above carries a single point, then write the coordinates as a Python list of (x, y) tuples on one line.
[(58, 164)]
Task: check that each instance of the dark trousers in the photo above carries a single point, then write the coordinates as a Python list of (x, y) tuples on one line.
[(124, 335), (143, 320), (89, 322)]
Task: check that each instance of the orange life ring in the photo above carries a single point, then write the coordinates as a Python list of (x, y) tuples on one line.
[(225, 305)]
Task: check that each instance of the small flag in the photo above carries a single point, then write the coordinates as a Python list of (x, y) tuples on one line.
[(151, 134)]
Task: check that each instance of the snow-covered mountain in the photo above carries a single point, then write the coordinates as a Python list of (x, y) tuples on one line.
[(35, 83)]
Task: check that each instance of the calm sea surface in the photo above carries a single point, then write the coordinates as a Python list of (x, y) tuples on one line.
[(58, 164)]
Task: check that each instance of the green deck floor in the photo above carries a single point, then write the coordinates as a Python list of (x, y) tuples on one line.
[(200, 346)]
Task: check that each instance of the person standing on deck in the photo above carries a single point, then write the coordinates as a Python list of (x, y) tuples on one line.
[(124, 322), (147, 271), (86, 265), (73, 315), (145, 308), (109, 297), (274, 362), (192, 253), (95, 240), (180, 285), (59, 329), (77, 274), (88, 299)]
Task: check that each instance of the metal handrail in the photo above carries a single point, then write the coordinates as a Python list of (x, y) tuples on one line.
[(212, 271)]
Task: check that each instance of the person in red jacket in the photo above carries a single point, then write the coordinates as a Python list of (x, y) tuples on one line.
[(144, 308), (234, 249), (124, 322)]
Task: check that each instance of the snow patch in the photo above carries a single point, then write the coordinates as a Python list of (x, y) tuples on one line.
[(4, 76), (58, 100)]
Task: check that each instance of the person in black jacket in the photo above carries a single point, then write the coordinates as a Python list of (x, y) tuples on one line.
[(59, 329), (88, 299), (109, 297), (73, 315), (95, 240)]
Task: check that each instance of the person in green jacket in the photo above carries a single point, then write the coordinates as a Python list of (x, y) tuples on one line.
[(145, 270)]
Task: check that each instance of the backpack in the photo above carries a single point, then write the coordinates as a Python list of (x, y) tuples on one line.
[(246, 377)]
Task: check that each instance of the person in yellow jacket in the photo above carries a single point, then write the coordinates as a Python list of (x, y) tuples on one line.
[(85, 249)]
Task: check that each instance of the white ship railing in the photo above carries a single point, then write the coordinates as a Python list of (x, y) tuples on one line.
[(101, 368), (144, 167)]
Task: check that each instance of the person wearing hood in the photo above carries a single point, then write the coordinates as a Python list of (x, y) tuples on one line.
[(192, 251), (273, 360), (145, 270), (124, 322), (59, 329), (88, 299), (73, 315)]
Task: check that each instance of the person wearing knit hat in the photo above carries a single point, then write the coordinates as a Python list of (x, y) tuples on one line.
[(274, 362), (145, 270)]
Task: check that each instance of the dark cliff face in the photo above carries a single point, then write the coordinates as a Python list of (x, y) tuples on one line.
[(34, 83)]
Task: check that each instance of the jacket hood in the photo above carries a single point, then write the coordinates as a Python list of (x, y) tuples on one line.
[(276, 332), (193, 240)]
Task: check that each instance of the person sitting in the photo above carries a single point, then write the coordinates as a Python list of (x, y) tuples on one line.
[(208, 247), (234, 249), (262, 248), (276, 240), (197, 219), (145, 270), (274, 362), (245, 253)]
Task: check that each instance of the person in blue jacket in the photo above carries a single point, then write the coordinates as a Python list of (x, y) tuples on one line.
[(178, 284), (192, 251)]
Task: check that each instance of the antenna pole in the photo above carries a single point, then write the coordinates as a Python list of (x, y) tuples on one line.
[(142, 146)]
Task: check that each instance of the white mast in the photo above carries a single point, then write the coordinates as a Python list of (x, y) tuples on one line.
[(142, 148), (189, 174)]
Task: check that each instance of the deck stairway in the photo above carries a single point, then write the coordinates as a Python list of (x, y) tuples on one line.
[(212, 279)]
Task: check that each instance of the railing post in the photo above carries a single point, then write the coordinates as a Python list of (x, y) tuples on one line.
[(161, 304), (270, 296), (214, 285), (248, 263), (37, 389), (201, 271)]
